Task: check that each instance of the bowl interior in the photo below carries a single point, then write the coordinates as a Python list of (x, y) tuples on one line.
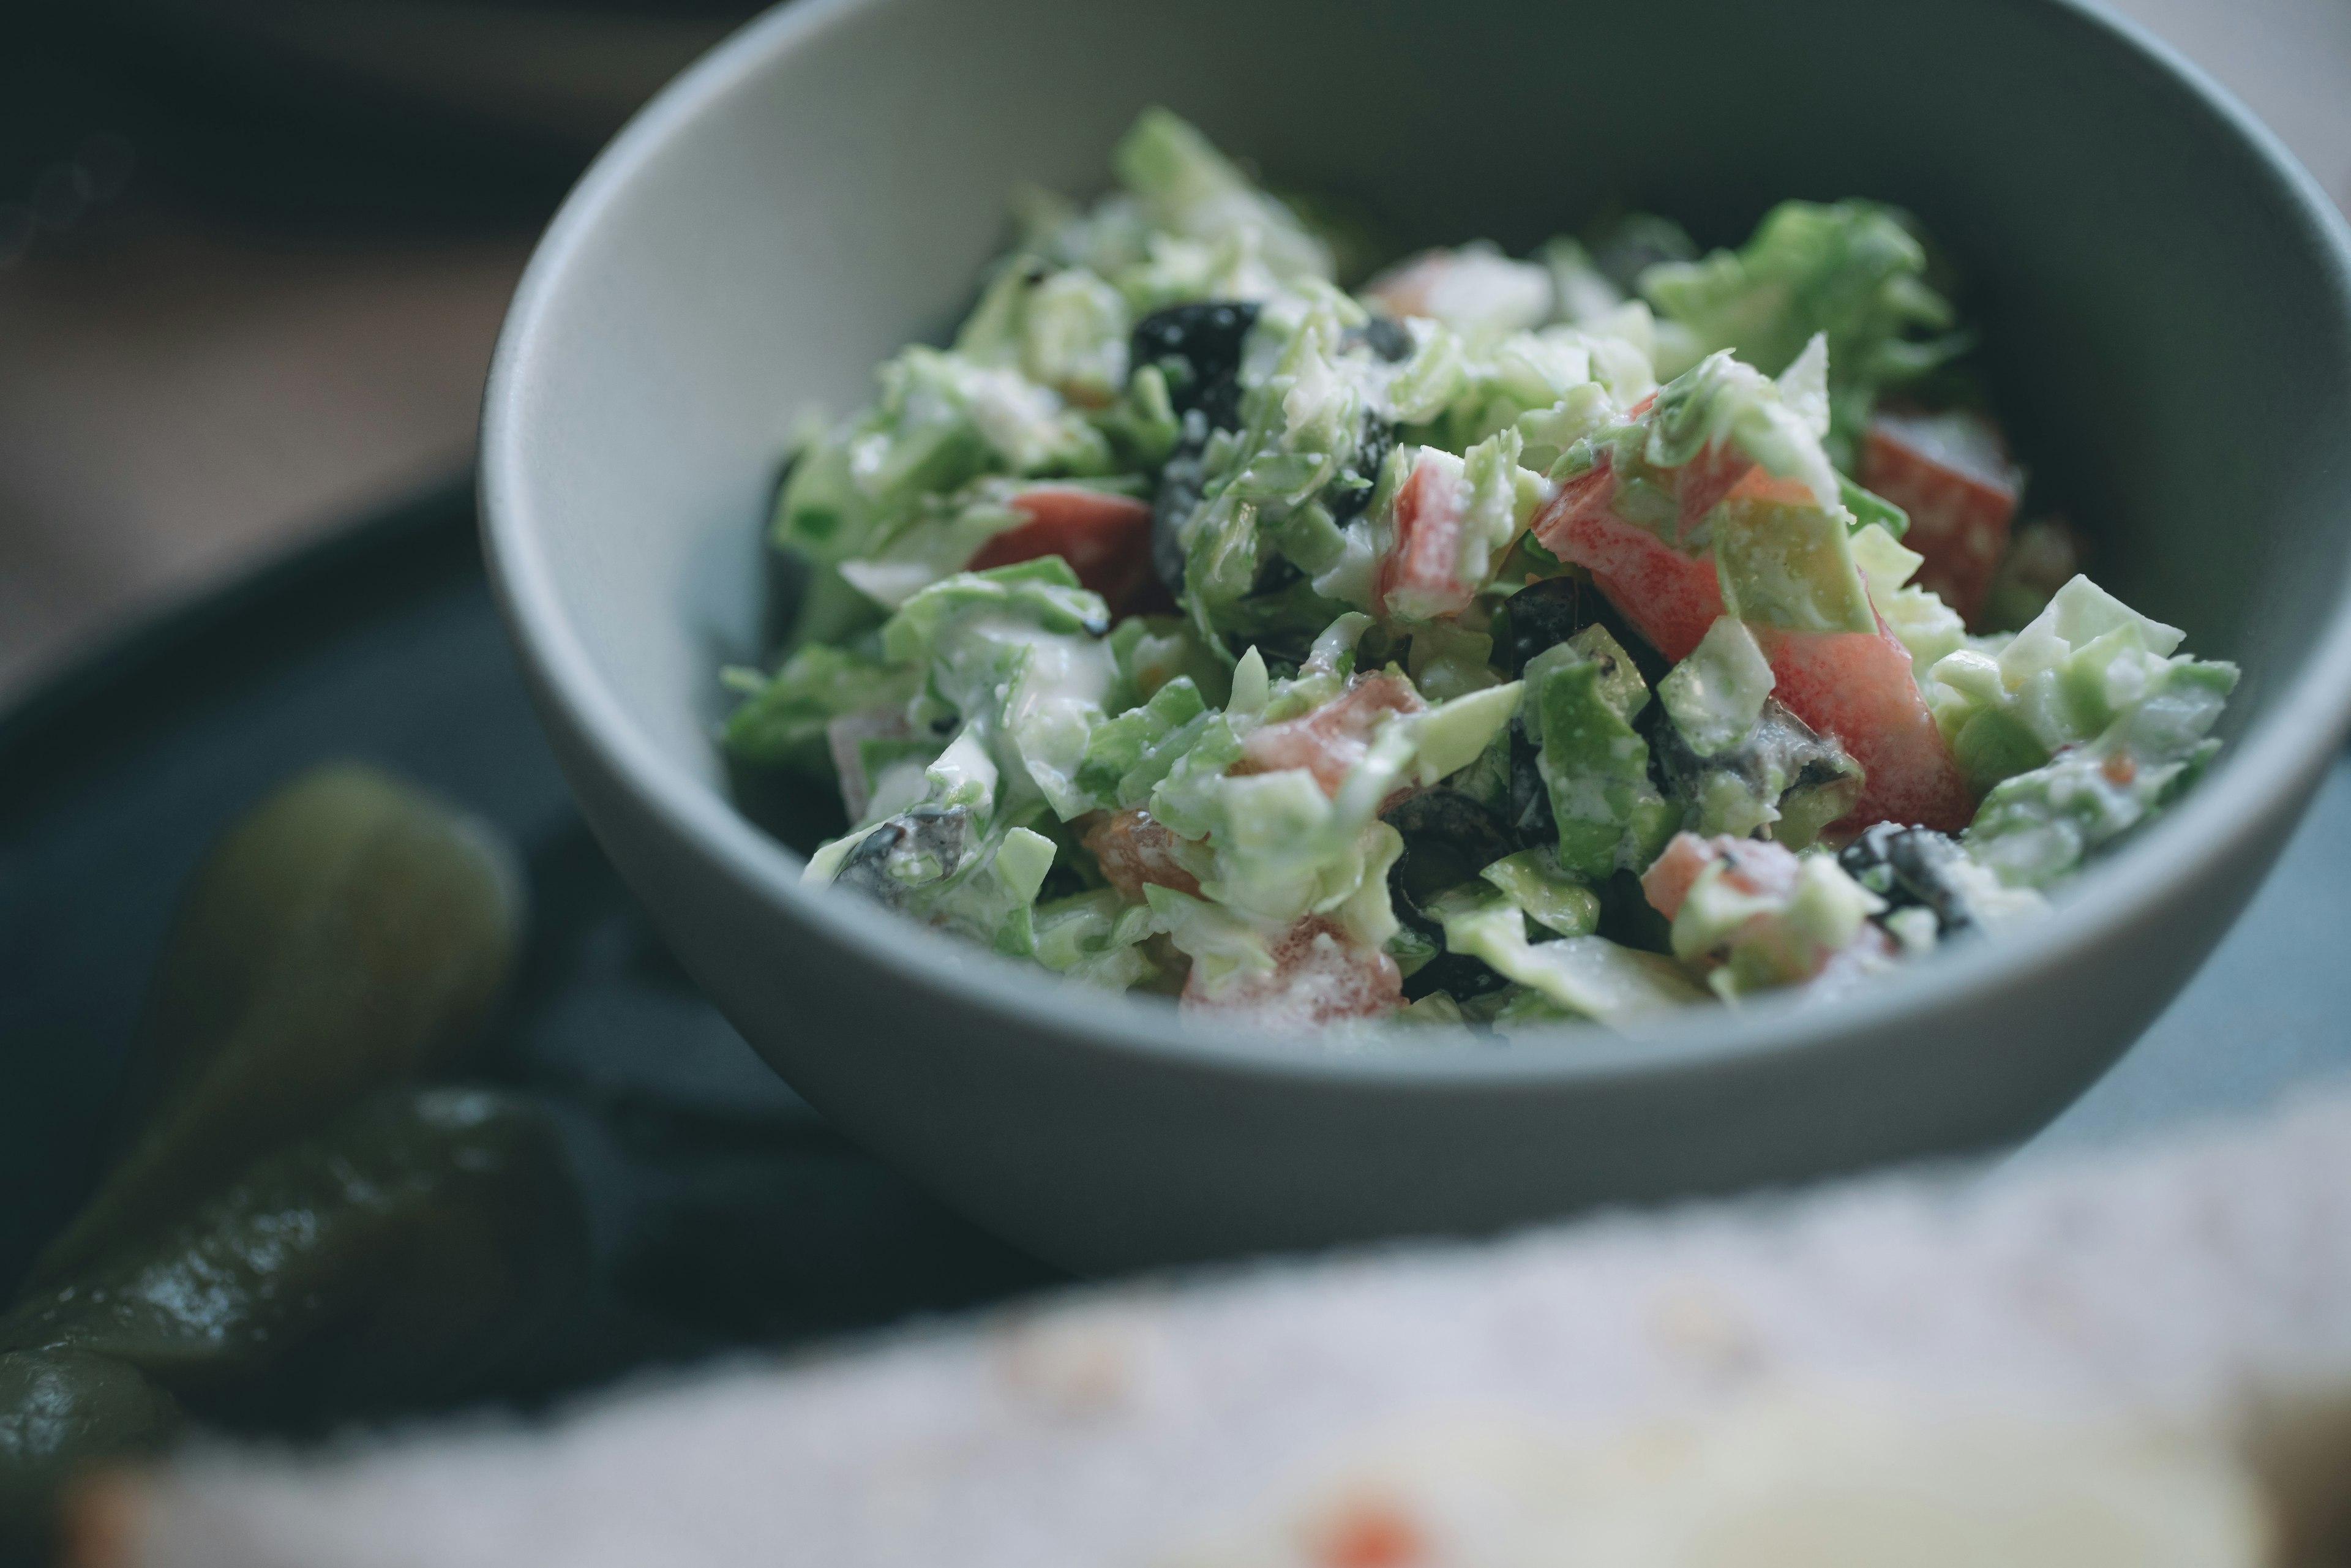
[(2162, 305)]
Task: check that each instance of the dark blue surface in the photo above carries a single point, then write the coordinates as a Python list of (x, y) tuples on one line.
[(2268, 1016)]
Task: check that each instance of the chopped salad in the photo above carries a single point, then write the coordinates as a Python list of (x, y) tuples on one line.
[(1508, 641)]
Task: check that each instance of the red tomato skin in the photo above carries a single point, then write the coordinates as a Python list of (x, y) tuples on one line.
[(1420, 567), (1958, 520), (1857, 687), (1330, 741), (1105, 538), (1669, 597)]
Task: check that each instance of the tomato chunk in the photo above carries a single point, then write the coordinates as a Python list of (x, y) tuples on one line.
[(1669, 597), (1133, 848), (1418, 579), (1330, 741), (1951, 474), (1857, 687), (1319, 977), (1105, 538)]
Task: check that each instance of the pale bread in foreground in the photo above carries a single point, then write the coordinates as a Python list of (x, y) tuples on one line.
[(2130, 1360)]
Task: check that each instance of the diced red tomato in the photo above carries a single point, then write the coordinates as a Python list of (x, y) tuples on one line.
[(1418, 577), (1133, 848), (1762, 870), (1330, 741), (1319, 977), (1105, 538), (1716, 472), (1370, 1532), (1668, 881), (1951, 474), (1669, 597), (1756, 866), (1857, 687)]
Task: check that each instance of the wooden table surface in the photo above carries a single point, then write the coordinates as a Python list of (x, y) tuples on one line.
[(180, 397)]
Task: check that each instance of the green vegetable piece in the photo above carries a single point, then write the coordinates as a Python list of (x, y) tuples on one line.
[(1188, 187), (1589, 976), (1549, 896), (1785, 561), (1583, 695), (419, 1243), (1152, 649), (782, 723), (1849, 270), (1770, 938), (1869, 507), (1043, 591), (63, 1413), (2039, 826), (1128, 746), (1716, 695), (349, 933)]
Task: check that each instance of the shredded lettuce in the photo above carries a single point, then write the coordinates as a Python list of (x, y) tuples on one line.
[(1850, 270), (2085, 723), (1582, 698), (1005, 735), (783, 720), (1586, 977)]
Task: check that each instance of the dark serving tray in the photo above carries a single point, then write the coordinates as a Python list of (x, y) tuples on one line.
[(727, 1212)]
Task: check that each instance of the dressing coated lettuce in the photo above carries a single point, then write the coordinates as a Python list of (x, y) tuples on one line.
[(1506, 644)]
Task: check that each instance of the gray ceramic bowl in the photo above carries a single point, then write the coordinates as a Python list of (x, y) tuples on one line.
[(2166, 301)]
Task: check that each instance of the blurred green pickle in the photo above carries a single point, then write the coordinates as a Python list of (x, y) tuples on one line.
[(394, 1260), (349, 933), (62, 1412)]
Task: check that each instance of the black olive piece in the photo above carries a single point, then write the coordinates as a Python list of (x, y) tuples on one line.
[(1204, 340), (1345, 501), (1457, 974), (1628, 917), (1178, 497), (1544, 614), (1383, 336), (1909, 868), (943, 833), (1781, 744), (1278, 573), (1284, 651), (1448, 838)]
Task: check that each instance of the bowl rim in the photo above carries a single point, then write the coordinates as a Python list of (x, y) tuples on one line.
[(2278, 757)]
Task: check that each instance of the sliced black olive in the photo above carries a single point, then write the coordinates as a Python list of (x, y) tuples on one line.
[(1178, 497), (1346, 497), (1783, 760), (1909, 868), (943, 833), (1457, 974), (1628, 917), (1383, 336), (1277, 575), (1198, 348), (1544, 614), (1448, 838)]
